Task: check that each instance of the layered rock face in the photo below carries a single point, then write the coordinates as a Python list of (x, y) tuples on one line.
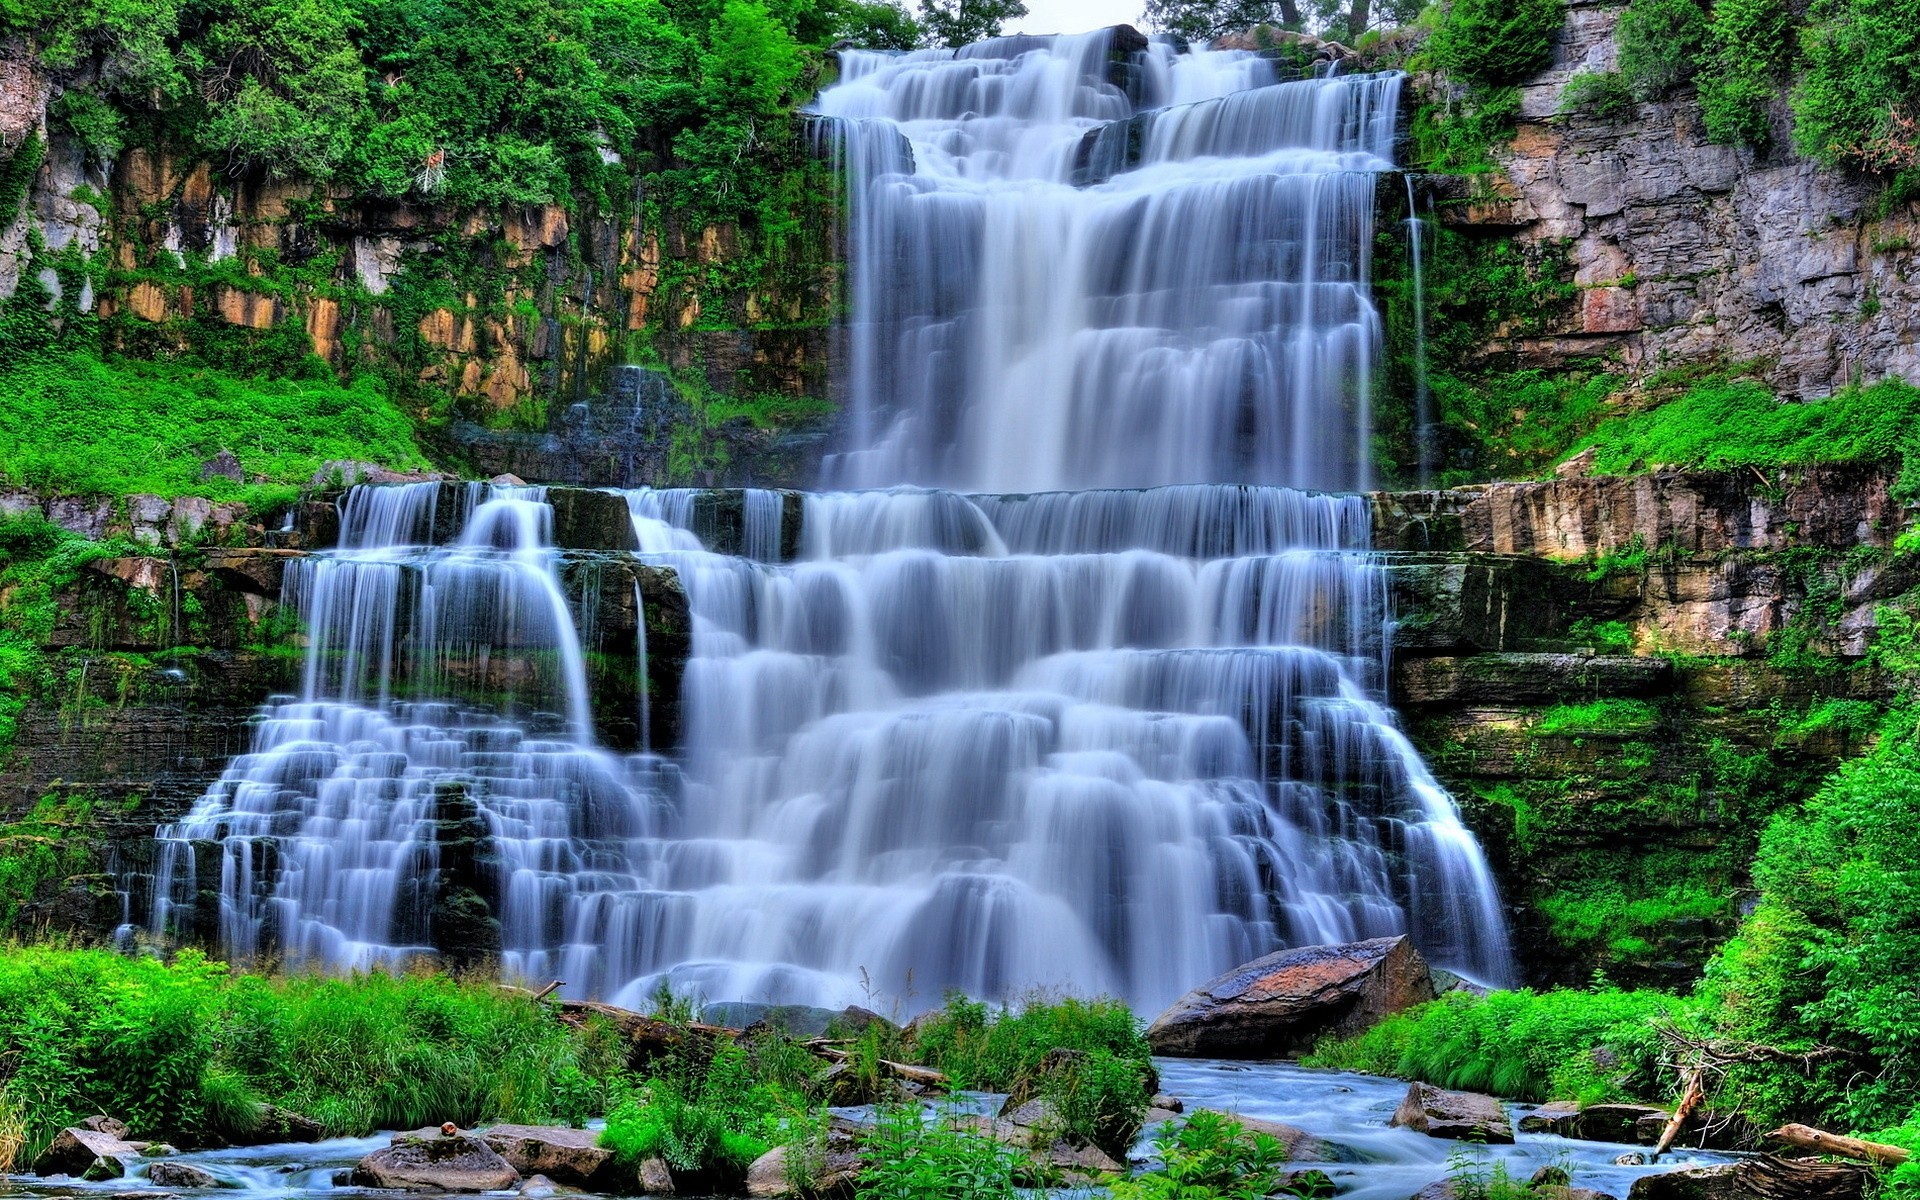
[(1686, 252)]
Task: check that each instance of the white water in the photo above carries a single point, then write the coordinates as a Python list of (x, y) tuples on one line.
[(1202, 317), (1096, 741)]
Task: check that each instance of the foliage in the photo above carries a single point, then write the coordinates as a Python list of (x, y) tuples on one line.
[(1721, 423), (1604, 637), (1494, 42), (1623, 916), (1099, 1090), (1856, 100), (185, 1050), (1210, 1157), (75, 422), (1662, 44), (911, 1158), (961, 22), (44, 847), (1592, 1046), (1832, 956), (1750, 51), (1604, 95)]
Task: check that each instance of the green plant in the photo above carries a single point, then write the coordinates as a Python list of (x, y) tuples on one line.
[(1600, 94), (1210, 1157), (1605, 637), (1598, 718), (1590, 1046), (912, 1158), (1751, 49)]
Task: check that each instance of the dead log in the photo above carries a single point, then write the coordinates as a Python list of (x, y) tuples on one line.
[(905, 1072), (1805, 1137), (1770, 1177)]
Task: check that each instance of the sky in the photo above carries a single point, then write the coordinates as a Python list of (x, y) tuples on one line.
[(1075, 16)]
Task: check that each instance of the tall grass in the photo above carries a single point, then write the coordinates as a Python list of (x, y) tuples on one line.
[(187, 1051)]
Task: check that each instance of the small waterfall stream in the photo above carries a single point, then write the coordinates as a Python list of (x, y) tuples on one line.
[(1106, 716)]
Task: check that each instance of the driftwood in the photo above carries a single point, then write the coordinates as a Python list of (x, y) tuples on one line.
[(1769, 1177), (1690, 1098), (905, 1072), (1805, 1137)]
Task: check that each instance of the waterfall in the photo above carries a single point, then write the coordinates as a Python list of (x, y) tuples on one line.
[(1202, 314), (1080, 683)]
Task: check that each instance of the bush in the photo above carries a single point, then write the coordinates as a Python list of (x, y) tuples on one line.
[(1494, 42), (1587, 1046), (1752, 49), (1662, 44), (911, 1158), (706, 1120), (1598, 718), (999, 1049), (1855, 103)]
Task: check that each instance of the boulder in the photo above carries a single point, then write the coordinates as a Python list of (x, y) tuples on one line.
[(113, 1127), (1689, 1183), (428, 1160), (180, 1175), (1279, 1005), (281, 1125), (1462, 1116), (1617, 1122), (573, 1157), (88, 1153)]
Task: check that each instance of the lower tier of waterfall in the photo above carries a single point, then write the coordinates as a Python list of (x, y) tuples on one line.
[(1097, 742)]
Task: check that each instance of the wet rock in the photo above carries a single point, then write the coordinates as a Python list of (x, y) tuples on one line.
[(794, 1020), (1281, 1004), (584, 519), (1298, 1143), (539, 1188), (282, 1125), (1462, 1116), (833, 1178), (87, 1153), (1690, 1183), (1555, 1116), (427, 1160), (1169, 1103), (569, 1156), (181, 1175), (113, 1127), (1078, 1165)]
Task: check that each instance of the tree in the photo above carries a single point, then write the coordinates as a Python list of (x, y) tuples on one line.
[(1204, 20), (963, 22)]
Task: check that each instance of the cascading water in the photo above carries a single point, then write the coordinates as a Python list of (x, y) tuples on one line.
[(993, 738)]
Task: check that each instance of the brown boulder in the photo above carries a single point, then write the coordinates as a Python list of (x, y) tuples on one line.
[(180, 1175), (428, 1160), (1690, 1183), (1300, 1146), (1617, 1122), (1279, 1005), (1462, 1116), (90, 1153), (573, 1157)]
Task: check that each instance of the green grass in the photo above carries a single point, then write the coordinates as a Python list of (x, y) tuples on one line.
[(186, 1051), (74, 422), (1725, 424)]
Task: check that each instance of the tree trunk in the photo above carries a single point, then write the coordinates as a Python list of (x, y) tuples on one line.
[(1804, 1137), (1771, 1178)]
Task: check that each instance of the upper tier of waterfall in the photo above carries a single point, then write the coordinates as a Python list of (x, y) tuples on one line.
[(1200, 313)]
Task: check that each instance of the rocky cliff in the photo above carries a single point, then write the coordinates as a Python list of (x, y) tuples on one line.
[(1687, 253)]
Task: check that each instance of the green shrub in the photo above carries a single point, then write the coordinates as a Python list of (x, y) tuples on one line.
[(1856, 99), (1832, 955), (709, 1120), (978, 1046), (1588, 1046), (1661, 43), (1601, 94), (1494, 42), (911, 1158), (1752, 49)]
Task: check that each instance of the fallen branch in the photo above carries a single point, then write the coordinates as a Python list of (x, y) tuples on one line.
[(925, 1076), (1805, 1137)]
